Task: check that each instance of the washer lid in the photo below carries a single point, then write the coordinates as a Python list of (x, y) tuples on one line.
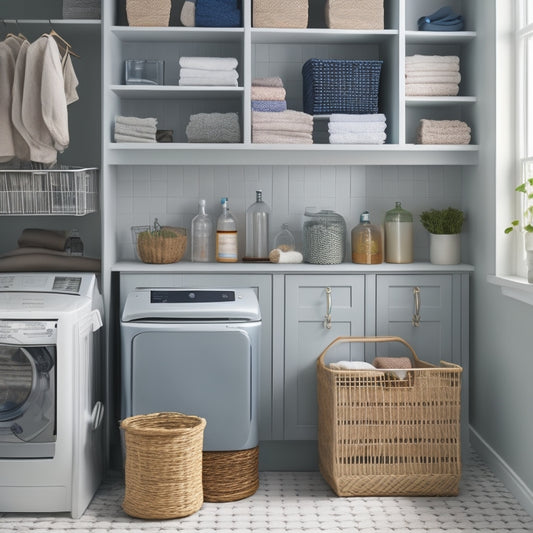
[(191, 304), (74, 283)]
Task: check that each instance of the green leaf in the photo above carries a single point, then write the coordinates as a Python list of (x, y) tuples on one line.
[(515, 223), (508, 230), (530, 181), (529, 228), (521, 188)]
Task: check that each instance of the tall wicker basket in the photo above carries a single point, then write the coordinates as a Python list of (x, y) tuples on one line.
[(163, 465), (383, 436)]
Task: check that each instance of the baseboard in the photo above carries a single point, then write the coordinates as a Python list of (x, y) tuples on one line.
[(502, 470)]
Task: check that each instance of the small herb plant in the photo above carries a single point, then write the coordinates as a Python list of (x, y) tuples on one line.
[(525, 188), (443, 221)]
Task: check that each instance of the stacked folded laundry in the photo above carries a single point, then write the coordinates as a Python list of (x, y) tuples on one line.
[(135, 130), (357, 129), (213, 128), (220, 71), (432, 75), (282, 127), (216, 13), (268, 94), (443, 132)]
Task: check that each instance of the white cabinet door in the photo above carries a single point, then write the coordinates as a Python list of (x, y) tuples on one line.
[(307, 334)]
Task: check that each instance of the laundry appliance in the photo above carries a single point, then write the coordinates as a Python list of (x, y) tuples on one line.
[(51, 408)]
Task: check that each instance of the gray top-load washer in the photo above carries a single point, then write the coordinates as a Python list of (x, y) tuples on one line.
[(194, 351)]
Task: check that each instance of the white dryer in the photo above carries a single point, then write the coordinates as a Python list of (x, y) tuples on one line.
[(51, 388)]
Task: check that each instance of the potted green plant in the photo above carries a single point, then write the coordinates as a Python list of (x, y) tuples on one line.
[(444, 226), (526, 223)]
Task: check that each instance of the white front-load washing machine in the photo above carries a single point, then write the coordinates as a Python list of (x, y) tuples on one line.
[(51, 409)]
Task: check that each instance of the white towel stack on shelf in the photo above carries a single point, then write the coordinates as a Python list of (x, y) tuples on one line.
[(208, 71), (135, 130), (282, 127), (432, 75), (357, 129)]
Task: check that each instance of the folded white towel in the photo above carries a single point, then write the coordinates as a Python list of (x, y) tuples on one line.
[(352, 365), (199, 73), (429, 66), (419, 58), (343, 117), (121, 138), (357, 138), (431, 89), (136, 121), (271, 137), (356, 127), (290, 115), (433, 77), (135, 130), (209, 63), (279, 256), (225, 78)]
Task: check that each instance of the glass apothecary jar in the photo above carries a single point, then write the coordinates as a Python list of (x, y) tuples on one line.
[(324, 237), (398, 235), (284, 239)]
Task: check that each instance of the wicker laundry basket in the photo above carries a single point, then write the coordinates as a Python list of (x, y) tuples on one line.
[(355, 14), (280, 13), (230, 475), (148, 12), (379, 435), (163, 467)]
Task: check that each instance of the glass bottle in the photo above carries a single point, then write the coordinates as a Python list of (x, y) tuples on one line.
[(226, 237), (201, 235), (284, 239), (398, 235), (366, 242), (74, 244), (257, 216)]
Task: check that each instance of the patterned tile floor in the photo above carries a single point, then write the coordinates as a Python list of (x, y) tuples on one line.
[(298, 502)]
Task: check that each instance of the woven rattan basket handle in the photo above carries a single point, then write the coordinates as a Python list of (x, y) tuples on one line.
[(340, 340)]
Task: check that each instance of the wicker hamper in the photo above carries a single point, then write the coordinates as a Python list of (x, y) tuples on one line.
[(383, 436), (163, 467), (355, 14), (148, 12), (341, 86), (280, 13)]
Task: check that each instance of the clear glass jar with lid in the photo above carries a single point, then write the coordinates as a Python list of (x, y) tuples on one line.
[(398, 235), (284, 239), (367, 248), (324, 237)]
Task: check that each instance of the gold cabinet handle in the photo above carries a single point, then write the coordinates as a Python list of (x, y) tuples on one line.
[(327, 318), (416, 316)]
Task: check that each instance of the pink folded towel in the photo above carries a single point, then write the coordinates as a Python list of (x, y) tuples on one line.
[(433, 76), (274, 81), (270, 137), (290, 115), (268, 93)]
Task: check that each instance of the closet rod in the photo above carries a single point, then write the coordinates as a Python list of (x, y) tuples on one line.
[(53, 21)]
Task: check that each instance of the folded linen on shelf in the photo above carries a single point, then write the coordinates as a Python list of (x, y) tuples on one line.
[(433, 59), (186, 72), (289, 115), (411, 68), (345, 117), (285, 127), (268, 93), (135, 131), (213, 128), (122, 138), (225, 78), (432, 76), (443, 132), (136, 121), (217, 13), (358, 138), (209, 63), (269, 105), (431, 89), (272, 81), (357, 127), (271, 137), (43, 238), (48, 262)]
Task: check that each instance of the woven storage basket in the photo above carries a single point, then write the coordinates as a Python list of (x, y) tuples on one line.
[(163, 467), (341, 86), (383, 436), (230, 475), (280, 13), (148, 12), (355, 14), (162, 248)]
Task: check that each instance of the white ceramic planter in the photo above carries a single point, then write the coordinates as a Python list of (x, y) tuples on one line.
[(445, 249)]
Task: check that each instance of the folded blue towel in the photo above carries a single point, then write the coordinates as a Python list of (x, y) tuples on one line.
[(444, 19), (269, 105), (217, 13)]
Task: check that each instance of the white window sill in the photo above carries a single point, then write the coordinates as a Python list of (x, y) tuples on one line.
[(514, 287)]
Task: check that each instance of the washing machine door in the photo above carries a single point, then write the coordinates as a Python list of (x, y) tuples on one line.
[(27, 397)]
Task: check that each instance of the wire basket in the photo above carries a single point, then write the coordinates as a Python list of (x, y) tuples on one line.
[(379, 435), (341, 86), (58, 191)]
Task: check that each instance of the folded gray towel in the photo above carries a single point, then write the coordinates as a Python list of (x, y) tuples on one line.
[(214, 128), (121, 138), (43, 238), (136, 131), (136, 121)]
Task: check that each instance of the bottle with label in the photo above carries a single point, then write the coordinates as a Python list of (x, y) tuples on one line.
[(74, 245), (398, 235), (226, 237), (366, 242), (257, 216), (201, 235)]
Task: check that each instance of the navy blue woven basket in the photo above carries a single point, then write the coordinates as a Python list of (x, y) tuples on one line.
[(340, 86)]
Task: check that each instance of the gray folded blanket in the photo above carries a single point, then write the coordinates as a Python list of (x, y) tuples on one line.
[(43, 238), (48, 262), (214, 128)]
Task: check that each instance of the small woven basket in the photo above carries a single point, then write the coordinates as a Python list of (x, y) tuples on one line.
[(148, 12), (163, 467), (383, 436), (230, 475), (280, 13), (341, 86), (355, 14), (165, 246)]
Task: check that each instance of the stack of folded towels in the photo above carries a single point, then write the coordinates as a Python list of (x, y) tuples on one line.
[(213, 128), (432, 75), (135, 130), (220, 71), (443, 132), (211, 13), (357, 129), (268, 94), (282, 127)]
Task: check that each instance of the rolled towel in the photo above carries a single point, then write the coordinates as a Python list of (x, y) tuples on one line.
[(447, 68), (283, 126), (268, 93), (268, 137), (121, 138), (224, 78), (187, 13), (351, 365), (273, 81), (279, 256), (357, 138), (357, 127), (420, 58), (290, 115), (213, 128), (209, 63), (269, 105), (136, 121), (43, 238), (394, 363), (431, 89), (217, 13), (344, 117)]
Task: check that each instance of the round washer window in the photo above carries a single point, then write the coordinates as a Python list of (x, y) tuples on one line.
[(16, 380)]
